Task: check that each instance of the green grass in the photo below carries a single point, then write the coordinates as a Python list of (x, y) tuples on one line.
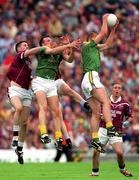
[(64, 171)]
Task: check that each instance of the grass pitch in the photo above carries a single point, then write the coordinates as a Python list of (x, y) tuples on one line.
[(64, 171)]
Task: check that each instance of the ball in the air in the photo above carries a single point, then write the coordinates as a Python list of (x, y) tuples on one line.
[(111, 20)]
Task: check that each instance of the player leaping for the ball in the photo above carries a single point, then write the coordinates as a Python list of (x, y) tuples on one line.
[(92, 88), (45, 89), (63, 89), (19, 93)]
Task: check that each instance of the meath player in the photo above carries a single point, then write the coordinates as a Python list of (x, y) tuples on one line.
[(45, 89), (92, 88)]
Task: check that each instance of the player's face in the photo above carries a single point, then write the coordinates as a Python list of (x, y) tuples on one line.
[(65, 39), (116, 91), (54, 44), (23, 46), (47, 41)]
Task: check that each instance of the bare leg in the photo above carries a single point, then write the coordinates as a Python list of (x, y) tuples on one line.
[(101, 95), (95, 106), (41, 99), (53, 103), (95, 163), (120, 159), (23, 123), (119, 152), (16, 102), (65, 90)]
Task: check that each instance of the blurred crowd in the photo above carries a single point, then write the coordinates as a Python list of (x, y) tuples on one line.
[(30, 19)]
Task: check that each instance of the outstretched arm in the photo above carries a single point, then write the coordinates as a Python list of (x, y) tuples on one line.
[(60, 49), (109, 41), (104, 30), (33, 51)]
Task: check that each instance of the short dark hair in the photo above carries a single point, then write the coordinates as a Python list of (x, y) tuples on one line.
[(90, 35), (41, 40), (18, 44)]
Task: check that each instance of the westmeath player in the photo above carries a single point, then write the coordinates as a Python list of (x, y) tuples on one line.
[(121, 113)]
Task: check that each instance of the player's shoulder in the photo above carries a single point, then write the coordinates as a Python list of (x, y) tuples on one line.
[(124, 101), (20, 55), (89, 42)]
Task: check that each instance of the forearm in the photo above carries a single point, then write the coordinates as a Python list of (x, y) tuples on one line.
[(110, 38), (70, 56), (32, 51), (104, 28), (103, 32), (58, 49)]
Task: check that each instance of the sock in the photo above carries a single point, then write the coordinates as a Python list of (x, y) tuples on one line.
[(42, 129), (20, 146), (109, 124), (95, 170), (15, 132), (95, 136), (122, 167), (58, 134), (82, 102), (66, 136)]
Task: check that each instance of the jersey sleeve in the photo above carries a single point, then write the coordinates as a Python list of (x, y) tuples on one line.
[(127, 111), (42, 50)]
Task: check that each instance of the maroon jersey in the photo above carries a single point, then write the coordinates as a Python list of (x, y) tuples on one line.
[(20, 71), (120, 111), (58, 75)]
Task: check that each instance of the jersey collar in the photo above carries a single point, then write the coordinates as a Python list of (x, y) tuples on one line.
[(119, 99)]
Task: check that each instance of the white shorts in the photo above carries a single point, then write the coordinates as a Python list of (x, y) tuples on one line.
[(24, 94), (59, 83), (104, 139), (90, 81), (46, 85)]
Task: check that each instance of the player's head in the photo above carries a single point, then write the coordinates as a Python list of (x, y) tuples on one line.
[(65, 39), (116, 89), (91, 36), (21, 46), (45, 41)]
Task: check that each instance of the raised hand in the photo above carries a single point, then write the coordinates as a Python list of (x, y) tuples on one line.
[(105, 16), (76, 43)]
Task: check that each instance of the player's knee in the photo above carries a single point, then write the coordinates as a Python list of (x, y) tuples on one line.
[(19, 108), (43, 107)]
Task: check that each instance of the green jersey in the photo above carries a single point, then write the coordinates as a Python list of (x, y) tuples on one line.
[(47, 64), (90, 57)]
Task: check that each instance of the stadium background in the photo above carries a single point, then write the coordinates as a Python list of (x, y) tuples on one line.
[(28, 19)]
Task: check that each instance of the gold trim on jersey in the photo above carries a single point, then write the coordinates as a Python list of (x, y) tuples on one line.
[(86, 42)]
